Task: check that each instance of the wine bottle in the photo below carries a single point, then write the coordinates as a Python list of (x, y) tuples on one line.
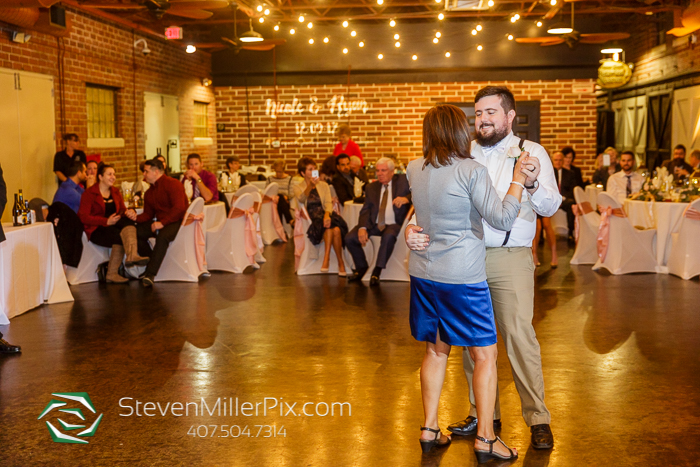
[(22, 213), (28, 213), (16, 212)]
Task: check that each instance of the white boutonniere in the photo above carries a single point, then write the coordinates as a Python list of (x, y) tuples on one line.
[(514, 153)]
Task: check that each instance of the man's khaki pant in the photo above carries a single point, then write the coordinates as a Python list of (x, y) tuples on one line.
[(510, 275)]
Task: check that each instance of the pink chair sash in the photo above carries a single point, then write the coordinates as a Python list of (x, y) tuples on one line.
[(276, 216), (580, 210), (200, 245), (691, 213), (299, 236), (604, 229), (249, 234)]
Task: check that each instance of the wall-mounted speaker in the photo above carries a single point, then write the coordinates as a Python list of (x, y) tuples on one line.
[(57, 16)]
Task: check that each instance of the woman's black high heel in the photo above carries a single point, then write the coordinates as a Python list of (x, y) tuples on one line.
[(485, 456), (427, 445)]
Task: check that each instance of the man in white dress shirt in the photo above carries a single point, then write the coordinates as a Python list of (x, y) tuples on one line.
[(625, 182), (509, 264)]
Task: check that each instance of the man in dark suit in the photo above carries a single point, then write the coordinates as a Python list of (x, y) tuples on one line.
[(357, 170), (344, 179), (566, 181), (387, 202), (5, 347)]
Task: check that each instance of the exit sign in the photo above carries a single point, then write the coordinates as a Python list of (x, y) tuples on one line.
[(173, 32)]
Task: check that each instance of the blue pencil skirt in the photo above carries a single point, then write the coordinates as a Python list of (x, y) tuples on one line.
[(462, 313)]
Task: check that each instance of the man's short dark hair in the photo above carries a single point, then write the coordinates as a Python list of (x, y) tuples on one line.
[(194, 156), (627, 152), (680, 146), (566, 150), (71, 137), (142, 166), (232, 159), (155, 162), (74, 168), (92, 162), (341, 156), (507, 99)]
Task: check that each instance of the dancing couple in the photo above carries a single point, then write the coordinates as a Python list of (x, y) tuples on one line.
[(476, 205)]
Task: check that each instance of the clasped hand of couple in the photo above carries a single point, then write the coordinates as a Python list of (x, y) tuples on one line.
[(526, 171), (131, 214)]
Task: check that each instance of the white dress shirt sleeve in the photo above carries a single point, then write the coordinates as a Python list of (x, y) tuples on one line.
[(546, 200), (617, 186)]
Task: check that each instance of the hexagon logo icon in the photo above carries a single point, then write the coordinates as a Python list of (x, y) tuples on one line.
[(57, 434)]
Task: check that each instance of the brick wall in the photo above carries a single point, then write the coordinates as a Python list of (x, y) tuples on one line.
[(99, 52), (392, 122)]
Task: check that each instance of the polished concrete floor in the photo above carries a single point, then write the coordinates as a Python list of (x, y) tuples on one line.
[(621, 366)]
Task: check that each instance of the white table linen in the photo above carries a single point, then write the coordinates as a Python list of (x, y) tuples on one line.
[(592, 192), (32, 271), (664, 217), (351, 213)]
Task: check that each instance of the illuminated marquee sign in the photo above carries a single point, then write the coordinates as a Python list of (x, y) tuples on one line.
[(173, 32)]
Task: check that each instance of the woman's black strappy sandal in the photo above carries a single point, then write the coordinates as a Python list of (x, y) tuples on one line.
[(427, 445), (485, 456)]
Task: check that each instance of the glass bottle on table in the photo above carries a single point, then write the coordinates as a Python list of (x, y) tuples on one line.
[(16, 212)]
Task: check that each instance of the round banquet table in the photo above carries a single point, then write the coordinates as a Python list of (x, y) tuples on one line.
[(31, 271), (592, 192), (351, 213), (664, 217)]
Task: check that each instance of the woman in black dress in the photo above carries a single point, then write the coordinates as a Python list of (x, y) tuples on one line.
[(326, 225)]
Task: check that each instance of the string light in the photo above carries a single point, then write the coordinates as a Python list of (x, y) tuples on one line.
[(353, 33), (380, 56), (435, 40), (260, 8), (539, 24), (437, 34), (510, 37), (267, 11), (438, 1), (473, 32), (311, 41), (361, 44), (479, 48), (310, 25), (517, 16), (345, 24), (415, 57), (301, 18), (491, 3), (262, 20), (292, 31), (479, 27), (441, 16), (396, 37), (325, 39), (398, 44), (380, 2), (553, 2), (345, 51), (447, 54), (513, 19), (392, 23), (277, 27)]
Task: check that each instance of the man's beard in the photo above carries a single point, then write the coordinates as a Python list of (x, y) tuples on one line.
[(494, 139)]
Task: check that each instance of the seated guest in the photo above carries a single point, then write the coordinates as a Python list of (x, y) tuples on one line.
[(141, 185), (569, 156), (91, 174), (566, 181), (328, 169), (678, 158), (233, 165), (357, 170), (166, 202), (161, 158), (6, 347), (203, 181), (694, 161), (62, 160), (387, 202), (284, 181), (102, 213), (344, 180), (601, 175), (70, 191), (326, 225), (682, 171), (346, 145), (626, 182)]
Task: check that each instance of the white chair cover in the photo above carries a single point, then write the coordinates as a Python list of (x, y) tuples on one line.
[(267, 212), (588, 223), (629, 250), (684, 260), (246, 189), (93, 256), (226, 247), (180, 263), (311, 259), (257, 202), (559, 223), (397, 266)]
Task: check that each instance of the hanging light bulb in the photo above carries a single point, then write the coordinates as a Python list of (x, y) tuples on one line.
[(491, 3), (380, 56), (277, 27), (510, 37), (553, 2), (325, 40), (361, 44), (397, 44), (473, 32), (392, 23), (260, 8), (301, 18), (479, 48), (437, 34), (396, 37), (447, 54), (380, 2), (441, 16), (512, 19), (311, 41), (345, 24), (415, 57), (266, 12), (309, 25), (539, 24), (292, 31), (353, 33), (435, 40), (345, 50), (479, 27), (261, 20), (517, 16)]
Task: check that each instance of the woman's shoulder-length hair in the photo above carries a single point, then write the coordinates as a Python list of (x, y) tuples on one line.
[(445, 135)]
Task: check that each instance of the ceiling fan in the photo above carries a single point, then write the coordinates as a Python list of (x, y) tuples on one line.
[(249, 40), (195, 9), (562, 34)]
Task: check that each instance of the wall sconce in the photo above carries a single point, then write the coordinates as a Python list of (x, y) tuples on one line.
[(206, 82), (20, 37)]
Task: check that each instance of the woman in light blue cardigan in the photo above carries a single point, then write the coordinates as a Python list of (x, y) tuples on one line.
[(450, 299)]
